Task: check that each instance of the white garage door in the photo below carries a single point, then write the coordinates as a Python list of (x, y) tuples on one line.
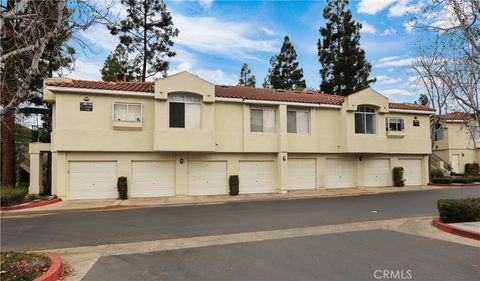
[(340, 172), (412, 171), (376, 172), (256, 177), (93, 180), (301, 174), (153, 178), (207, 177)]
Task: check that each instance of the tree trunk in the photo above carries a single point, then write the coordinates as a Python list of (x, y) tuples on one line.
[(144, 70), (8, 120)]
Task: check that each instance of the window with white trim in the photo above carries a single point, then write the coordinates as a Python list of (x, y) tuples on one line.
[(298, 122), (128, 112), (395, 125), (365, 120), (438, 133), (185, 111), (262, 120)]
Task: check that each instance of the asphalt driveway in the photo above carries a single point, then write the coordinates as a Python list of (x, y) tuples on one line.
[(87, 228), (364, 255)]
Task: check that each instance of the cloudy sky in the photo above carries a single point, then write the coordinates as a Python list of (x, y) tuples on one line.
[(217, 37)]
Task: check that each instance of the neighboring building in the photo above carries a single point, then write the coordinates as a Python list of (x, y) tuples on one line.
[(457, 140), (182, 135)]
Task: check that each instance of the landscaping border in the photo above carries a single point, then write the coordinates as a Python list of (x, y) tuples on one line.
[(454, 184), (437, 222), (55, 270), (31, 205)]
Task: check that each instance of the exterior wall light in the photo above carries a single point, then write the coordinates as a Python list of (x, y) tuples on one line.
[(284, 158), (86, 98), (181, 160)]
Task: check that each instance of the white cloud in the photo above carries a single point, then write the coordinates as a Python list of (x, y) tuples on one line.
[(267, 31), (212, 35), (383, 79), (389, 31), (368, 28), (394, 61), (100, 37), (86, 71), (397, 92), (402, 7), (205, 3), (371, 7)]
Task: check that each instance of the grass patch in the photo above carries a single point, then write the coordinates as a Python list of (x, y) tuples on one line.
[(21, 266), (10, 195)]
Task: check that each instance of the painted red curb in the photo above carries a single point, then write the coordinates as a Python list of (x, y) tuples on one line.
[(55, 269), (31, 205), (437, 222), (454, 185)]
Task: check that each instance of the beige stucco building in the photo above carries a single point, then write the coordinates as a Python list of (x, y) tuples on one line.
[(182, 135), (457, 140)]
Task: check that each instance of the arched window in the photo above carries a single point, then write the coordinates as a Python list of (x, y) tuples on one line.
[(185, 111), (365, 120)]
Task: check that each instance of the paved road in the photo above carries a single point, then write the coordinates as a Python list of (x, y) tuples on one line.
[(346, 256), (84, 228)]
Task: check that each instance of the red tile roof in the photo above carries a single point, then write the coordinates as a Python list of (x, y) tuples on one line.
[(457, 116), (147, 87), (409, 106), (230, 92), (276, 95)]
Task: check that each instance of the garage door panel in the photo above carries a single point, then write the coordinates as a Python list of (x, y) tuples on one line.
[(376, 172), (207, 177), (256, 177), (93, 180), (153, 178), (301, 174), (340, 173), (412, 171)]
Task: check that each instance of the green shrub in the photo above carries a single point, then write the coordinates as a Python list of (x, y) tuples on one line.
[(122, 188), (398, 179), (462, 180), (475, 178), (459, 210), (468, 168), (475, 168), (234, 183), (10, 195), (443, 180), (436, 173)]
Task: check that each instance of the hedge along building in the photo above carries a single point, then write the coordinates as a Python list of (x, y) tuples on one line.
[(182, 135), (457, 140)]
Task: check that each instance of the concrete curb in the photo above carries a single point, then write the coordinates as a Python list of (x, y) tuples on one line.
[(31, 205), (454, 184), (437, 222), (55, 269)]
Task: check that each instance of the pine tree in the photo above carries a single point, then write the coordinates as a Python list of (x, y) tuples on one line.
[(344, 67), (423, 100), (117, 67), (246, 78), (147, 32), (284, 72)]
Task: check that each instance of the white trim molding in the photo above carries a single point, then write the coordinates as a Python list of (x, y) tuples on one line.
[(412, 111), (299, 104), (98, 91)]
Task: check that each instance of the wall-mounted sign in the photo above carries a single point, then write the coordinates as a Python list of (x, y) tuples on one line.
[(416, 123), (86, 106)]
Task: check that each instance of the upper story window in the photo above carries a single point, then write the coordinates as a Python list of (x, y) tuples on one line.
[(129, 112), (185, 111), (365, 120), (438, 134), (262, 120), (395, 125), (298, 121)]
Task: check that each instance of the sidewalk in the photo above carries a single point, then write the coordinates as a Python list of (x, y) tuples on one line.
[(211, 199)]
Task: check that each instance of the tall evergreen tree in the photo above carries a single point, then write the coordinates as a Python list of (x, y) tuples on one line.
[(147, 32), (284, 72), (344, 67), (246, 78), (117, 66), (423, 100)]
